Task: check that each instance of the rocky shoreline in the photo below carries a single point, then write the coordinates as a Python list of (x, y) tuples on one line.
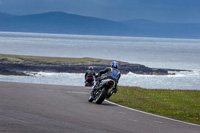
[(22, 65), (8, 67)]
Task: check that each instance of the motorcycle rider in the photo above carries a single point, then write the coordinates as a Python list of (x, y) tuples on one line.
[(111, 73), (89, 72)]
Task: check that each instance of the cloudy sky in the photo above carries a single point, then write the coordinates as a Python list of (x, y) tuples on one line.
[(156, 10)]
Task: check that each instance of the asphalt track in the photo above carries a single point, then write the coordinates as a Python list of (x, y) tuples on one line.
[(32, 108)]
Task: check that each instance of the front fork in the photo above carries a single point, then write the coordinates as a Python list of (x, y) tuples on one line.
[(95, 86), (92, 93)]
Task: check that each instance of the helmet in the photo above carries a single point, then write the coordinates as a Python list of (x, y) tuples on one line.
[(114, 64), (90, 68)]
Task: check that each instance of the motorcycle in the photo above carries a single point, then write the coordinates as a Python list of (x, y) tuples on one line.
[(102, 91), (89, 81)]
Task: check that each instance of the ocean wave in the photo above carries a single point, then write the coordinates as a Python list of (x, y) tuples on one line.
[(182, 80), (194, 73)]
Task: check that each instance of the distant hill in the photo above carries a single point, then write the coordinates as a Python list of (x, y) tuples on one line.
[(157, 29), (59, 22)]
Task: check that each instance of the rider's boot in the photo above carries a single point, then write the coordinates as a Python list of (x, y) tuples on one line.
[(109, 94), (114, 90)]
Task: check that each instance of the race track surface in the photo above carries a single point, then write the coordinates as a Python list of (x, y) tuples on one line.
[(28, 108)]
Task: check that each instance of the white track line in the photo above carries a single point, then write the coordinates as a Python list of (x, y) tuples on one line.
[(151, 114)]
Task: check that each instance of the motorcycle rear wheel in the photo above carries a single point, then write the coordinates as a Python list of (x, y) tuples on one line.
[(102, 96)]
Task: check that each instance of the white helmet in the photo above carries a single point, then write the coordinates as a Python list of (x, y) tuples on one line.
[(90, 68)]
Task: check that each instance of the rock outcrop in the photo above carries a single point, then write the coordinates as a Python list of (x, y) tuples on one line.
[(17, 68)]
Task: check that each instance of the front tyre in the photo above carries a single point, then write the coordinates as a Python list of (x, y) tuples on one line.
[(90, 99), (102, 96)]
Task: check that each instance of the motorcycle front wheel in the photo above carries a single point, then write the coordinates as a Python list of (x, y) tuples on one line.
[(90, 99)]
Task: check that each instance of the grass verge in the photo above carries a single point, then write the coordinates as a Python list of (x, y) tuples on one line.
[(182, 105)]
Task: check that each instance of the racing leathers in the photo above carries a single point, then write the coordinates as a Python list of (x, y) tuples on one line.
[(89, 73), (111, 73)]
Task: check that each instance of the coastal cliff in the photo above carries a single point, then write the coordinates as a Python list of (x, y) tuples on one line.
[(17, 65)]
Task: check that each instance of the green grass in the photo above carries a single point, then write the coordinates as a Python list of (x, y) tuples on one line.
[(39, 59), (177, 104)]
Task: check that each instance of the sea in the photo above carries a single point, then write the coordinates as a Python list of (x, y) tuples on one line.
[(171, 53)]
